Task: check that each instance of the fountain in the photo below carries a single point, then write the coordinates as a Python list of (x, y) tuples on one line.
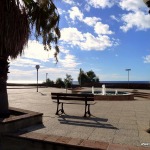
[(109, 95), (103, 89), (92, 89), (116, 92)]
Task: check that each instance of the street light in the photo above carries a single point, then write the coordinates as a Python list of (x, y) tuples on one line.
[(46, 76), (128, 75), (37, 68), (80, 76), (147, 2), (46, 80)]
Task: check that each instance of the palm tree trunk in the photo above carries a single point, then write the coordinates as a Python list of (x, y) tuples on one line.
[(4, 108)]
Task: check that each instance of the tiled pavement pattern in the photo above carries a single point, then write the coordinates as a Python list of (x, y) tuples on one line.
[(116, 122)]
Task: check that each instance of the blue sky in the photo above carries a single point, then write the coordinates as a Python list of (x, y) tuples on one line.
[(106, 36)]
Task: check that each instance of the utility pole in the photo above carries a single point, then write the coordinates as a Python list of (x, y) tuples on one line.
[(37, 68), (128, 76)]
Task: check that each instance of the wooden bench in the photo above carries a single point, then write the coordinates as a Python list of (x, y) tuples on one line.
[(61, 98)]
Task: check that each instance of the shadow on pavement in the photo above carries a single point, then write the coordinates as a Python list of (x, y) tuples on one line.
[(87, 122)]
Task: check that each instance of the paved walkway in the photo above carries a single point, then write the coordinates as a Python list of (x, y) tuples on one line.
[(118, 122)]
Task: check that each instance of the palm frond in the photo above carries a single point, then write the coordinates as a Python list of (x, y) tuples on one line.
[(18, 20)]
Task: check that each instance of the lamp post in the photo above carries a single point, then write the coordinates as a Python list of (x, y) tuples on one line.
[(147, 2), (128, 75), (46, 76), (46, 80), (80, 77), (37, 68)]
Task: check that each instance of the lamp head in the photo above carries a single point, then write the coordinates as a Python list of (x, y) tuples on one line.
[(37, 67)]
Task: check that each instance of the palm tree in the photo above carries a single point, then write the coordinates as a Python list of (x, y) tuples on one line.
[(18, 20)]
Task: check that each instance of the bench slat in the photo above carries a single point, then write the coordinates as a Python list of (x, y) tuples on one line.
[(70, 94), (73, 98)]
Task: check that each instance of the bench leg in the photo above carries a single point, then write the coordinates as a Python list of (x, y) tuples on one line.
[(88, 111), (85, 111), (62, 108), (57, 109)]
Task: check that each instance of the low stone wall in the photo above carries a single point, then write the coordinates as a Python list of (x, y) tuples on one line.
[(38, 141), (20, 119)]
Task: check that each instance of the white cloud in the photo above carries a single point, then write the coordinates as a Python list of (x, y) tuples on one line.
[(21, 76), (86, 41), (75, 13), (147, 59), (70, 61), (100, 28), (17, 73), (61, 11), (69, 1), (36, 50), (114, 18), (91, 20), (99, 43), (101, 3), (131, 5), (71, 35), (135, 19), (23, 62)]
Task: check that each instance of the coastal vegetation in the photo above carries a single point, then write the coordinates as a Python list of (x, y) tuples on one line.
[(83, 78)]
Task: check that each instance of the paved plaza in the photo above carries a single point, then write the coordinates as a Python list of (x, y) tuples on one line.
[(119, 122)]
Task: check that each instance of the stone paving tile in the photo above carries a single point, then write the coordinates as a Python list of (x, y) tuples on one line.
[(94, 144), (59, 132), (127, 126), (121, 147), (52, 138), (143, 125), (75, 134), (144, 137), (103, 134), (128, 121), (126, 132), (127, 139), (75, 141)]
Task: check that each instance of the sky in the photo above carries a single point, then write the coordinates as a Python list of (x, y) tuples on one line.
[(105, 36)]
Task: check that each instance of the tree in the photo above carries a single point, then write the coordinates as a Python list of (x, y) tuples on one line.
[(68, 80), (91, 75), (17, 19), (49, 82), (82, 77), (60, 83), (87, 77)]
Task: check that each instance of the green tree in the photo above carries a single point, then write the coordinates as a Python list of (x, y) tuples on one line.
[(87, 77), (18, 20), (82, 77), (60, 83), (68, 80), (49, 82), (91, 75)]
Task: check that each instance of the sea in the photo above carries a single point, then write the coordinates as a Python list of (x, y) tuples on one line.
[(113, 82)]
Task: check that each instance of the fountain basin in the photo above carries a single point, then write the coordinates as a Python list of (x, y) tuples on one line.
[(128, 96), (111, 95)]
